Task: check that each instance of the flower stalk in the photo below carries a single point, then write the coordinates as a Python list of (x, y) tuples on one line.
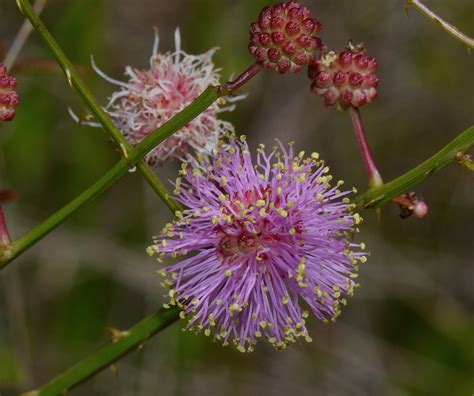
[(5, 241), (244, 77), (375, 180)]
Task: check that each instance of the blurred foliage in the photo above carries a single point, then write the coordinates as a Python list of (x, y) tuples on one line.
[(410, 328)]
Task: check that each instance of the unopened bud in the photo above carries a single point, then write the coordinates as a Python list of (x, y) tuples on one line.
[(344, 79), (8, 97), (284, 37)]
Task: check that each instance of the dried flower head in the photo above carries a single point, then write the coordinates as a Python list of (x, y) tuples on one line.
[(8, 97), (267, 238), (151, 97), (284, 37), (345, 79)]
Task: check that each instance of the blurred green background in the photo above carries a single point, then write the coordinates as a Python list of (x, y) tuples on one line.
[(410, 328)]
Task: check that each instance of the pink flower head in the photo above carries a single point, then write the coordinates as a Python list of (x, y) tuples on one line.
[(151, 97), (267, 237), (8, 97)]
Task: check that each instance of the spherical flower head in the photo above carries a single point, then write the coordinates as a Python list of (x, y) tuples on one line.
[(285, 37), (268, 238), (151, 97), (8, 97), (345, 79)]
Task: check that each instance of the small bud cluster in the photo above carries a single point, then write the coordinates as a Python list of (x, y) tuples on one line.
[(345, 79), (284, 37), (8, 97)]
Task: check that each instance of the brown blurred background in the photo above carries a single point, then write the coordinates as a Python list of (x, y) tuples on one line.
[(410, 328)]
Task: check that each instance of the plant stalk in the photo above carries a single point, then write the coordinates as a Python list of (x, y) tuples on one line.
[(437, 20), (109, 353), (375, 180)]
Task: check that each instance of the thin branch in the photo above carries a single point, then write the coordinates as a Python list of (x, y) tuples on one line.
[(437, 20), (22, 36), (109, 353)]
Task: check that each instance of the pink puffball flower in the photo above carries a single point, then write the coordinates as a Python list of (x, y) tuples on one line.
[(153, 96), (271, 242)]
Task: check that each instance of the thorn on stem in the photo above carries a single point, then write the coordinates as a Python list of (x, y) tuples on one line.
[(115, 370), (117, 334)]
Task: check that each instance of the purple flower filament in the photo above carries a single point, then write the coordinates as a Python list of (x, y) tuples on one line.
[(268, 238)]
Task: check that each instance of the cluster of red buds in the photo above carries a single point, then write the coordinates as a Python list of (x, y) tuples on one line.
[(285, 37), (8, 97), (345, 79)]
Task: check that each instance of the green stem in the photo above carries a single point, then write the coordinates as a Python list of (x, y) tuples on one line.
[(377, 197), (202, 102), (76, 83), (109, 353), (437, 20)]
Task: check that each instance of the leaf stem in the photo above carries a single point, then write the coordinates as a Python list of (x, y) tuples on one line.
[(437, 20)]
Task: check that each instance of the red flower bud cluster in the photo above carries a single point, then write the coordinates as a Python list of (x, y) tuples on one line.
[(284, 37), (345, 79), (8, 97)]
